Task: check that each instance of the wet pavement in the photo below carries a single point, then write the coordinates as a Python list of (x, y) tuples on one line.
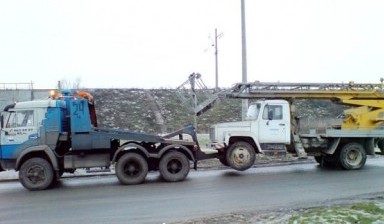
[(101, 199)]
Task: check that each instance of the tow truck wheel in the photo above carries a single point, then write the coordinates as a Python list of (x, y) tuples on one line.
[(36, 174), (241, 156), (352, 156), (174, 166), (131, 168)]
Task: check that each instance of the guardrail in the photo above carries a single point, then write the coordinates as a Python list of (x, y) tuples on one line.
[(16, 85)]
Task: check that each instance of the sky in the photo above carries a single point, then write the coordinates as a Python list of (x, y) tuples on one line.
[(158, 43)]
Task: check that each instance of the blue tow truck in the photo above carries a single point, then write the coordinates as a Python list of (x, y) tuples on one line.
[(45, 138)]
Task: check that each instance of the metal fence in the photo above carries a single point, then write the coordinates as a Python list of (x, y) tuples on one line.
[(16, 85)]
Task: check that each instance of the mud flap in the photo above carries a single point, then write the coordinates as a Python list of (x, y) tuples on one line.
[(370, 146), (300, 151)]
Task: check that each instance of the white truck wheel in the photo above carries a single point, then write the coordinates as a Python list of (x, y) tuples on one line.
[(352, 156), (240, 156)]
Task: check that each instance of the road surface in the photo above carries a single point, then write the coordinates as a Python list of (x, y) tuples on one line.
[(104, 200)]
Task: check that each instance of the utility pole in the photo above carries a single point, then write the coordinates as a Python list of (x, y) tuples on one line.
[(216, 63), (244, 107), (217, 36), (192, 80)]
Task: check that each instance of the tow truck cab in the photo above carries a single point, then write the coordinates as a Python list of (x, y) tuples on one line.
[(22, 127)]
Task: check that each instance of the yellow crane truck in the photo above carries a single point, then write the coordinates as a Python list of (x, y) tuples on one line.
[(270, 124)]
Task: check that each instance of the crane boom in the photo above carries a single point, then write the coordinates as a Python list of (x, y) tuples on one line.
[(351, 93), (369, 98)]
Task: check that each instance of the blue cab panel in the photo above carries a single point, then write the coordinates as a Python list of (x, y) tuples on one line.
[(12, 151), (80, 119)]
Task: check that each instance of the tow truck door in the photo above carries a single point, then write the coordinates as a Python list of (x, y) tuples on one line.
[(19, 131), (274, 123)]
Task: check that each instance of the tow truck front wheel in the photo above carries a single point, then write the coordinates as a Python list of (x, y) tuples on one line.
[(352, 156), (174, 166), (131, 168), (240, 156), (36, 174)]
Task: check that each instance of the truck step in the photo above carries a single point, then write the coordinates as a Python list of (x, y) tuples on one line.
[(275, 153), (98, 170)]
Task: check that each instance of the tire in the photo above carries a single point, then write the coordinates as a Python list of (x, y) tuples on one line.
[(131, 168), (36, 174), (174, 166), (352, 156), (240, 156)]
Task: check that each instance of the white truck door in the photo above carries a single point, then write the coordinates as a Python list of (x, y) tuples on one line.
[(19, 131), (274, 124)]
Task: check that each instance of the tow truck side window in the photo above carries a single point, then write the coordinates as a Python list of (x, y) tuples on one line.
[(20, 119)]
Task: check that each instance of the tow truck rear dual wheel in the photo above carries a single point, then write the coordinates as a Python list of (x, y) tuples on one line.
[(174, 166), (36, 174), (352, 156), (240, 156), (131, 168)]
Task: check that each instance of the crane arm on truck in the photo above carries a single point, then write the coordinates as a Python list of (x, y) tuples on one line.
[(340, 92), (270, 120), (368, 98)]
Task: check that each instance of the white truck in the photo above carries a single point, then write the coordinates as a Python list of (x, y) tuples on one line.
[(270, 124)]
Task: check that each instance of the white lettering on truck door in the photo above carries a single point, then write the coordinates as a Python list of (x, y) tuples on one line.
[(19, 129)]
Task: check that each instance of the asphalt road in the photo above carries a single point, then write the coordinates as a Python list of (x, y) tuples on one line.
[(104, 200)]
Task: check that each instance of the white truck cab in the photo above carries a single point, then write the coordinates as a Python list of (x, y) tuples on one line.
[(267, 121), (266, 127)]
